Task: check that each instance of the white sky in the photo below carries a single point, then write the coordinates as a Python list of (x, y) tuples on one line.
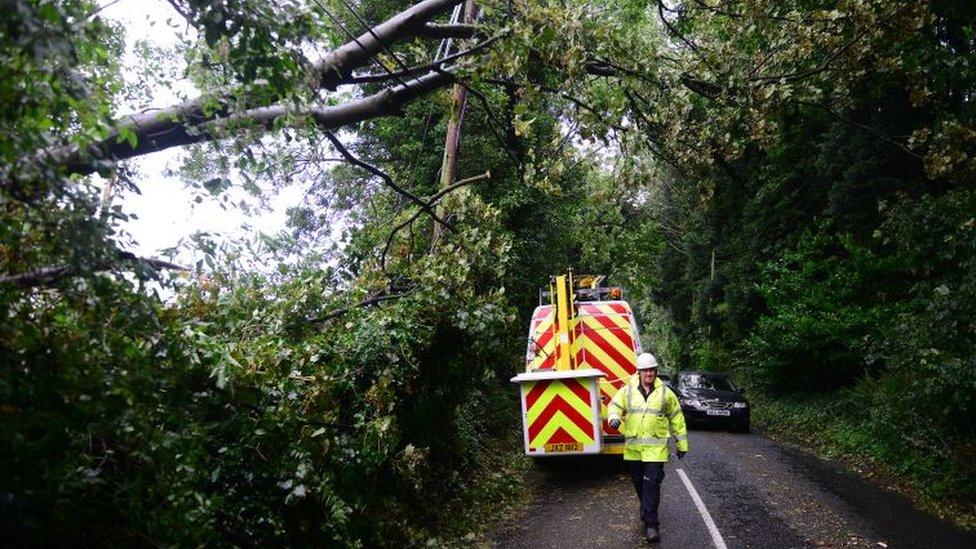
[(166, 210)]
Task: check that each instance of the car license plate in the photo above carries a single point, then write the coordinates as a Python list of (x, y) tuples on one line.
[(718, 412), (563, 447)]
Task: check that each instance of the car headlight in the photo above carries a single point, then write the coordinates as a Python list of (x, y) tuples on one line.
[(740, 404), (692, 402)]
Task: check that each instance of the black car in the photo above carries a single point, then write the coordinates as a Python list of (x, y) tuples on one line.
[(710, 398)]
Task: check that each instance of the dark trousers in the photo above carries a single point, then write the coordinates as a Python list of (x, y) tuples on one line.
[(647, 477)]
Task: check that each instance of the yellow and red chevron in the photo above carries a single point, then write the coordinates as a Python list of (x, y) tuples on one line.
[(558, 411), (603, 338), (605, 341), (542, 331)]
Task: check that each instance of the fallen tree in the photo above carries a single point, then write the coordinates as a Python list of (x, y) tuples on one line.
[(198, 119)]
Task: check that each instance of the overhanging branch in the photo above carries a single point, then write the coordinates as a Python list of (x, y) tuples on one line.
[(373, 299), (431, 202), (53, 273), (384, 103), (387, 180), (174, 126)]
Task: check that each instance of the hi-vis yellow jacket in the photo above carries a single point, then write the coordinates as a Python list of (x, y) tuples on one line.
[(646, 421)]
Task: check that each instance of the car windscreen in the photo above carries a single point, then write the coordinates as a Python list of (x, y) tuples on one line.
[(705, 381)]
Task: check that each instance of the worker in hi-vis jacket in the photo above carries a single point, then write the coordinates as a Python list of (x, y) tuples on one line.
[(643, 410)]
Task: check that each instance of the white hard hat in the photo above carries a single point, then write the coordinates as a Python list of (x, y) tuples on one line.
[(646, 361)]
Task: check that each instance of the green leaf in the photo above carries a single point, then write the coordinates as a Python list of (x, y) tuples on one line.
[(216, 185)]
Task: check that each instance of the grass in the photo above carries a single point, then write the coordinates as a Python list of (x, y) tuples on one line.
[(849, 439)]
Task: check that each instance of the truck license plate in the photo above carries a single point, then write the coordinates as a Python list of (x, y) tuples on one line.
[(718, 412), (563, 447)]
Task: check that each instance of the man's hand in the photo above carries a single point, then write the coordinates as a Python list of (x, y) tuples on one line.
[(615, 423), (681, 454)]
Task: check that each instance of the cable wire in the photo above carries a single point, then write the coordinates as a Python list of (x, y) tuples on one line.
[(355, 39), (369, 29)]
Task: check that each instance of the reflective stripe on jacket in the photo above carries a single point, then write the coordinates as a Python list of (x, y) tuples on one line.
[(646, 422)]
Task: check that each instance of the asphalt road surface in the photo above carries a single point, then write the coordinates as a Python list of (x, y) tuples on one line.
[(753, 491)]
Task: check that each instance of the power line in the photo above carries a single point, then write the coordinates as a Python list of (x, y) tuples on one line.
[(369, 29), (355, 39)]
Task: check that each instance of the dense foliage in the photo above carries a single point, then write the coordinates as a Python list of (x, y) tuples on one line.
[(785, 191), (257, 402), (820, 241)]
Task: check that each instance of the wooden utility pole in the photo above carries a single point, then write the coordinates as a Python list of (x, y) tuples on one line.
[(453, 135), (108, 192)]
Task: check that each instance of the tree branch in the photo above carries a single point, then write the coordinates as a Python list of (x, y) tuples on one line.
[(494, 123), (37, 277), (575, 100), (172, 126), (385, 177), (430, 204), (606, 68), (704, 88), (188, 17), (870, 129), (790, 77), (466, 181), (47, 275), (338, 23), (383, 103), (373, 299), (674, 32)]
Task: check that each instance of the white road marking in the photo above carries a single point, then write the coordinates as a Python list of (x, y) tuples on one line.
[(709, 523)]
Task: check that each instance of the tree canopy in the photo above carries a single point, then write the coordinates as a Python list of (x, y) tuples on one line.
[(784, 189)]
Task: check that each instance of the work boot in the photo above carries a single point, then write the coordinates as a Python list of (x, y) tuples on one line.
[(652, 534)]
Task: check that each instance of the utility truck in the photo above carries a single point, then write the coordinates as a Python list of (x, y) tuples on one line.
[(582, 347)]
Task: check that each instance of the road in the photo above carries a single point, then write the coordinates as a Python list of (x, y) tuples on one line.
[(758, 493)]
